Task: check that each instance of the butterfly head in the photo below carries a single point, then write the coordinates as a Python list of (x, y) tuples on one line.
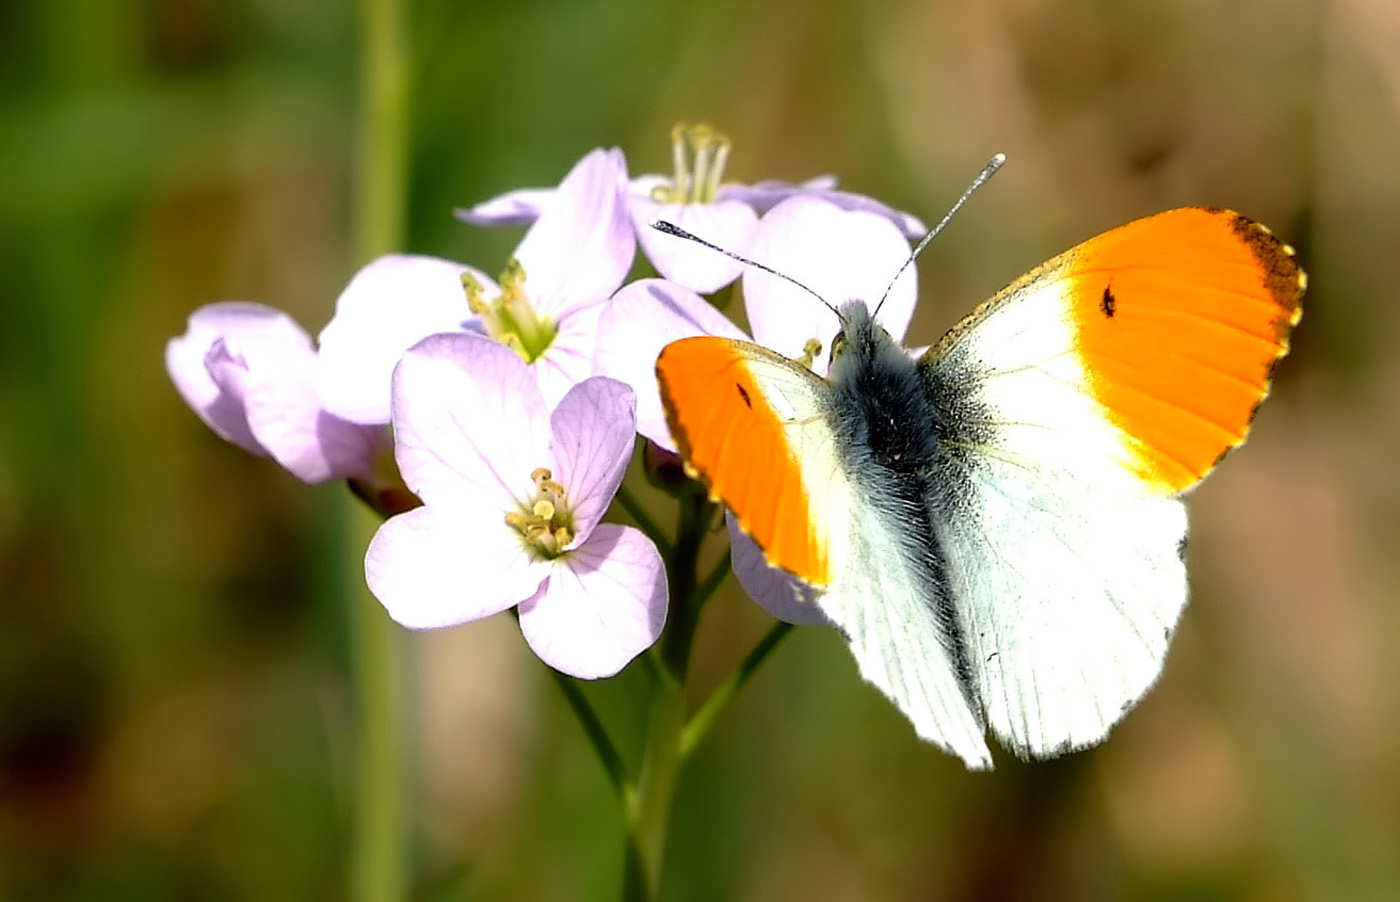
[(860, 341)]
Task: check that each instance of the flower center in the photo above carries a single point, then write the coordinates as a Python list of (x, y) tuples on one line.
[(544, 520), (511, 319), (700, 153)]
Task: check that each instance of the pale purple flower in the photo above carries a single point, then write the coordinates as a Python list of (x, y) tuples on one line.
[(249, 372), (545, 306), (696, 198), (513, 491), (765, 195)]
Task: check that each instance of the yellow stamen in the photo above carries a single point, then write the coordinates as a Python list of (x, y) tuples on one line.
[(699, 155), (545, 522)]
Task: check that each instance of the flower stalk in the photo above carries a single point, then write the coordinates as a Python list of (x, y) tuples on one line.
[(647, 808), (378, 862), (648, 805)]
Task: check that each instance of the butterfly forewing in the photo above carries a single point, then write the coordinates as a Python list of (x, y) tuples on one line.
[(751, 424), (1169, 326)]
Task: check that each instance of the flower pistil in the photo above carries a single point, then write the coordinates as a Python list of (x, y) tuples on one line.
[(511, 319)]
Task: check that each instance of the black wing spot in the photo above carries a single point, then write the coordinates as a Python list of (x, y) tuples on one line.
[(745, 395), (1109, 304)]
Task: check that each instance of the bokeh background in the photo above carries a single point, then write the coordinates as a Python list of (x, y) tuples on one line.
[(174, 705)]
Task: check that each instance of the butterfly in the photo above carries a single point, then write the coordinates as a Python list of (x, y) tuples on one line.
[(997, 527)]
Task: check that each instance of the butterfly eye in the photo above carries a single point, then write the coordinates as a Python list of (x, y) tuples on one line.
[(838, 344)]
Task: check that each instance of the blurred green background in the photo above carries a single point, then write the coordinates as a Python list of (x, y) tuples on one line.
[(174, 705)]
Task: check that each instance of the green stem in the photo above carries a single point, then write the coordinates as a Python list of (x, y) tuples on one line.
[(648, 807), (696, 514), (593, 727), (644, 520), (381, 175), (378, 857), (700, 723), (378, 865), (712, 582)]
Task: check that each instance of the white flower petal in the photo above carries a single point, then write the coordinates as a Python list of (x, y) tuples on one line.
[(469, 423), (912, 226), (285, 415), (841, 255), (603, 605), (431, 568), (764, 196), (388, 306), (313, 445), (254, 335), (594, 429), (641, 319), (569, 358), (514, 208), (579, 250), (726, 224), (779, 593)]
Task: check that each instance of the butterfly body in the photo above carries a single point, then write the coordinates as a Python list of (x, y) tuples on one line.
[(896, 444), (997, 526)]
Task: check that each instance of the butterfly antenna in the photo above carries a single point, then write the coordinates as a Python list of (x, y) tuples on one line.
[(670, 228), (987, 172)]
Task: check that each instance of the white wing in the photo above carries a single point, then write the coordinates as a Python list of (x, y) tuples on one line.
[(880, 603), (1065, 565), (1085, 399), (1069, 583)]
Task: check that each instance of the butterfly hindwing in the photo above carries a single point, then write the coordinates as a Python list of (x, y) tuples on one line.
[(1069, 582)]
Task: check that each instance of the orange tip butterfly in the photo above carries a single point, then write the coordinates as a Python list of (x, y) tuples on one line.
[(997, 527)]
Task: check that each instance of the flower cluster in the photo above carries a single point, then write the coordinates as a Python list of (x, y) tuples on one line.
[(492, 420)]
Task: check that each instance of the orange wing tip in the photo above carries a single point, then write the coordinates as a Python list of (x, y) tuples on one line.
[(732, 440), (1284, 279), (1181, 319)]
